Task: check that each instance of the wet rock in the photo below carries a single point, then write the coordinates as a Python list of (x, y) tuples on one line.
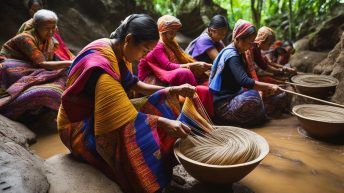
[(333, 65), (328, 34), (66, 174), (304, 61), (196, 14), (20, 170), (16, 132)]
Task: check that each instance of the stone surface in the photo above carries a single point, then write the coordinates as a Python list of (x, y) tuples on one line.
[(16, 132), (333, 65), (304, 61), (66, 174), (196, 14), (328, 34)]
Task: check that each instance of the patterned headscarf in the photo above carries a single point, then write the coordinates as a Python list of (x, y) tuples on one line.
[(240, 28), (168, 23), (264, 33)]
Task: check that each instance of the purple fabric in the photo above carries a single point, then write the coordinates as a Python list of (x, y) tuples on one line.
[(198, 47)]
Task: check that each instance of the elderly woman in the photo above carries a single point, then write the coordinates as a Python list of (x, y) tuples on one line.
[(236, 99), (99, 124), (267, 71), (208, 45), (61, 51), (167, 63), (30, 78)]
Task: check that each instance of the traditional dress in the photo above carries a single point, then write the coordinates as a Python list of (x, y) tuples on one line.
[(162, 65), (198, 47), (99, 124), (61, 51), (26, 86), (279, 52), (235, 102)]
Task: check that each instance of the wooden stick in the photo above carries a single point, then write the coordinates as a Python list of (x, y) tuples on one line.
[(309, 97)]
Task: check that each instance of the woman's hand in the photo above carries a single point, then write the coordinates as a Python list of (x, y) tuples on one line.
[(289, 71), (198, 68), (268, 89), (184, 90), (173, 128)]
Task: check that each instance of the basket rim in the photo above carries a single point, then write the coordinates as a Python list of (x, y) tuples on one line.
[(297, 107), (335, 84), (262, 155)]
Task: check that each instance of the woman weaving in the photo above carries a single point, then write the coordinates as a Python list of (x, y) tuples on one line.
[(236, 99), (30, 77), (167, 63), (99, 124)]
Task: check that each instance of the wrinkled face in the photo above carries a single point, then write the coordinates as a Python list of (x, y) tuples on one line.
[(170, 35), (34, 8), (46, 29), (135, 51), (244, 44), (218, 34)]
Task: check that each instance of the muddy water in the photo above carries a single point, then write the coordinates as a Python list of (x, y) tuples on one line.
[(295, 164)]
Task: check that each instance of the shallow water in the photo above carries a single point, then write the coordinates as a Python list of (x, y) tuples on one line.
[(295, 164)]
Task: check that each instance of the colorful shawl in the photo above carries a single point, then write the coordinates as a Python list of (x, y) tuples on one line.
[(215, 79), (240, 28), (97, 55), (61, 51), (27, 46)]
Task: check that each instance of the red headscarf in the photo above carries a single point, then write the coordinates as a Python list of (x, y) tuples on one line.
[(168, 23), (240, 28)]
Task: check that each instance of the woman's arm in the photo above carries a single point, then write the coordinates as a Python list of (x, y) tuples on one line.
[(212, 53), (55, 65)]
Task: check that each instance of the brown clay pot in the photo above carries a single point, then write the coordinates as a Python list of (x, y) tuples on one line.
[(322, 90), (319, 127), (221, 174)]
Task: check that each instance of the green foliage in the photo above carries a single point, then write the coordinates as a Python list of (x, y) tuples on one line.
[(291, 19), (289, 24)]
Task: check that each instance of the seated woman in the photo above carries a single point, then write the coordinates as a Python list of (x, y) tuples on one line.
[(167, 63), (208, 45), (280, 53), (30, 78), (61, 52), (99, 125), (236, 99), (267, 71)]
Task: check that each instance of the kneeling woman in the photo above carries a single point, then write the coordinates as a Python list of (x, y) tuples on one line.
[(236, 99), (99, 124), (30, 76), (167, 63)]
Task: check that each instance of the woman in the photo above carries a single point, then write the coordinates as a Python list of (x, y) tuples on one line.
[(236, 99), (30, 78), (61, 52), (280, 52), (99, 125), (167, 63), (267, 71), (208, 45)]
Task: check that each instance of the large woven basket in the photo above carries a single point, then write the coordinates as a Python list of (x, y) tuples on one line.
[(220, 174), (319, 86), (315, 119)]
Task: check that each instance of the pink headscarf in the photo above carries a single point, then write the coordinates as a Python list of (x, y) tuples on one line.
[(263, 34), (240, 28), (168, 23)]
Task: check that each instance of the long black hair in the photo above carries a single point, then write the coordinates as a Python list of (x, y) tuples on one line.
[(218, 21), (141, 26)]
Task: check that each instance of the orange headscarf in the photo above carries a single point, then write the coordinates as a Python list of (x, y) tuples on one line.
[(168, 23), (263, 34)]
